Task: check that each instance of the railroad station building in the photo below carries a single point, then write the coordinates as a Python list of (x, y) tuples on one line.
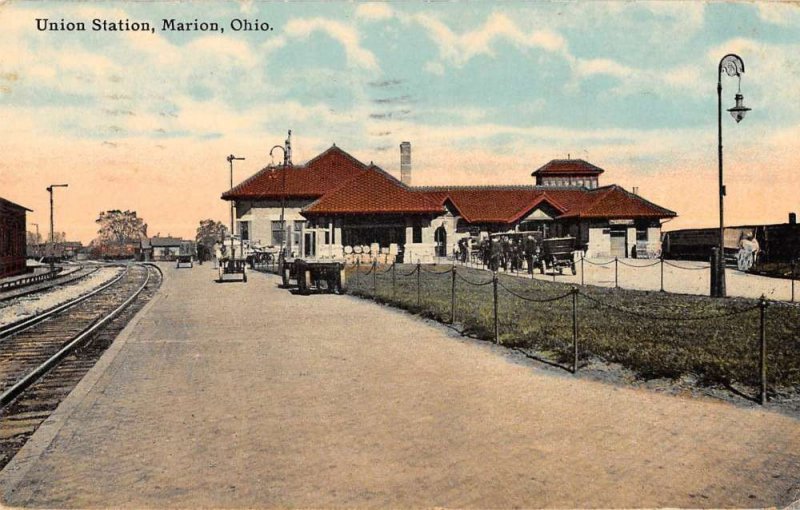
[(12, 238), (334, 203)]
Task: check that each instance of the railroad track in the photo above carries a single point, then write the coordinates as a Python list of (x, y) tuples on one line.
[(59, 281), (43, 361)]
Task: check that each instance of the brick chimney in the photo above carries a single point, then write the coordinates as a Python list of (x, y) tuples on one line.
[(405, 163), (287, 153)]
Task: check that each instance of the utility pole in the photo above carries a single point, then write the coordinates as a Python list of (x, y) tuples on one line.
[(231, 159), (38, 242), (52, 239)]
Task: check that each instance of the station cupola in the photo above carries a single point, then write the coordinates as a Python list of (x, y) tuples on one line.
[(569, 173)]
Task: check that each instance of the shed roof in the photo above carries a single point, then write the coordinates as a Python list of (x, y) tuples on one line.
[(13, 205)]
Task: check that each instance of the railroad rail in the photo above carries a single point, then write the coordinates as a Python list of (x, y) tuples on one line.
[(40, 365), (63, 279), (32, 347), (15, 327)]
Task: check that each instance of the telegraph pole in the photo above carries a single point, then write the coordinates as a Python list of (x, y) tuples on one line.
[(37, 238), (52, 239)]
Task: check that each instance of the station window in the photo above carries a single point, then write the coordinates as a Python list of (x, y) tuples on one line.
[(244, 230), (277, 233), (298, 232)]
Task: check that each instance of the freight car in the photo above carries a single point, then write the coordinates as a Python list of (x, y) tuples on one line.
[(779, 244)]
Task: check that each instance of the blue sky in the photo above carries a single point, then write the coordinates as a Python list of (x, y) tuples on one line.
[(485, 92)]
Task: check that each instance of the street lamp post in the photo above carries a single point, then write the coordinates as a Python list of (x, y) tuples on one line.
[(733, 65), (231, 159), (281, 254), (52, 239)]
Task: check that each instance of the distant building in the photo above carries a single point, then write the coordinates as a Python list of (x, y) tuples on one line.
[(335, 202), (12, 238), (168, 248)]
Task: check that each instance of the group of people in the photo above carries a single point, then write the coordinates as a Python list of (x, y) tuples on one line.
[(507, 252)]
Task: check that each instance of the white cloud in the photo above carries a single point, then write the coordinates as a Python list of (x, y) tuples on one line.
[(633, 80), (460, 48), (779, 13), (374, 11), (346, 35)]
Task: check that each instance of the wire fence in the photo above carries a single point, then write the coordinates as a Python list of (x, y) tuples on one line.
[(729, 342)]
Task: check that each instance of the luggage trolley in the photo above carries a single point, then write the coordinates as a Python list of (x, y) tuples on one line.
[(233, 270), (184, 261)]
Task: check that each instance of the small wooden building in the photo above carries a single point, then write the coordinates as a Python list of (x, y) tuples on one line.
[(12, 238), (168, 248)]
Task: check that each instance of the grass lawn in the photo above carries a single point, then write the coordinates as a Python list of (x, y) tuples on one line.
[(654, 334)]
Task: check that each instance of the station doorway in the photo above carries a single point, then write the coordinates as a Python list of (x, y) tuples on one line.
[(619, 242), (440, 237)]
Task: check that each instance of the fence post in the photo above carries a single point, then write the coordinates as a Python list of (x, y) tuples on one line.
[(616, 272), (419, 273), (582, 257), (358, 277), (374, 278), (575, 330), (494, 293), (662, 273), (394, 280), (762, 305), (453, 297)]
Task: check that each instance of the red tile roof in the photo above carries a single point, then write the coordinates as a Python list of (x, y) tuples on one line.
[(615, 202), (509, 204), (494, 204), (568, 167), (374, 192), (311, 180), (343, 185)]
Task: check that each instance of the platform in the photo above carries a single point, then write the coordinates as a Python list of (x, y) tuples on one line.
[(249, 396)]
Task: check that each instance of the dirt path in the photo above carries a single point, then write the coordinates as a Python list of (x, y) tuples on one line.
[(247, 396)]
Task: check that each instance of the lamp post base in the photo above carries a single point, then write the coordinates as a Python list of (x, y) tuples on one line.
[(717, 268)]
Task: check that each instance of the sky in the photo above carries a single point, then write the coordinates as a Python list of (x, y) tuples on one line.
[(485, 92)]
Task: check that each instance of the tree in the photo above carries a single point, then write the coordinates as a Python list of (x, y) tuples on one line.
[(208, 233), (33, 238), (119, 227)]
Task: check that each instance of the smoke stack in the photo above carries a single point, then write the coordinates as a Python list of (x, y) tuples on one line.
[(636, 190), (405, 163), (792, 218)]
